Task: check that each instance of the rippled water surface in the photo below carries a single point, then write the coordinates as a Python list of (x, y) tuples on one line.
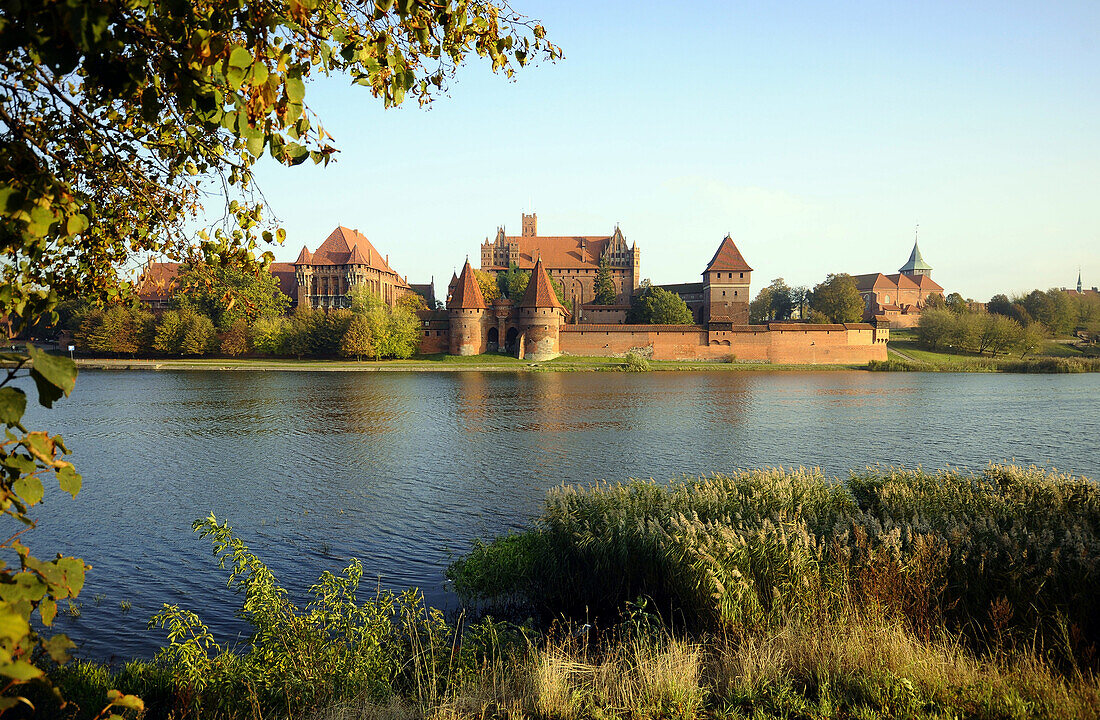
[(402, 470)]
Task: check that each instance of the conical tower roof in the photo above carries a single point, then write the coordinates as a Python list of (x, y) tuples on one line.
[(467, 294), (540, 291), (305, 257), (916, 262), (728, 257)]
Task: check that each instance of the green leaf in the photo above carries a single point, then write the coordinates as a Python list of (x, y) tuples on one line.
[(240, 58), (13, 626), (69, 480), (74, 573), (13, 403), (295, 89), (53, 375), (48, 610), (20, 670), (29, 487), (130, 702), (58, 647), (57, 369)]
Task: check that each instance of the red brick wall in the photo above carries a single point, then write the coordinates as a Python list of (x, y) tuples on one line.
[(811, 345)]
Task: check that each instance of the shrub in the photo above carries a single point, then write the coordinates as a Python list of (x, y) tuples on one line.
[(184, 332), (635, 362), (235, 340), (267, 334), (118, 329)]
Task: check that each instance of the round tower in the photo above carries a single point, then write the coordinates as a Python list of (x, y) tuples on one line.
[(541, 315), (467, 310)]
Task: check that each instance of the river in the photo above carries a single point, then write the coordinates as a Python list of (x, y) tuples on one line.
[(403, 470)]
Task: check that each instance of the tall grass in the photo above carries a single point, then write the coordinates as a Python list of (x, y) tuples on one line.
[(1007, 555)]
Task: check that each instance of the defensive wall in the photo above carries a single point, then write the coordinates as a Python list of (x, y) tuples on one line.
[(779, 343)]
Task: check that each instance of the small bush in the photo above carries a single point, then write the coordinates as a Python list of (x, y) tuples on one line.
[(635, 362)]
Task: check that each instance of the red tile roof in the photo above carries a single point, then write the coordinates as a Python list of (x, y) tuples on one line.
[(305, 257), (728, 257), (540, 293), (349, 247), (559, 251), (467, 294), (156, 280)]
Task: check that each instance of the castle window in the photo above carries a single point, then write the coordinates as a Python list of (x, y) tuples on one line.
[(742, 274)]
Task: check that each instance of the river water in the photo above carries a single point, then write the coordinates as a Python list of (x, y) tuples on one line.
[(403, 470)]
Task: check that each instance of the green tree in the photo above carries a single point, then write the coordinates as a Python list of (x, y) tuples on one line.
[(184, 332), (513, 282), (654, 305), (760, 309), (358, 340), (838, 299), (413, 302), (782, 303), (955, 303), (227, 292), (267, 334), (299, 335), (934, 327), (997, 334), (605, 286)]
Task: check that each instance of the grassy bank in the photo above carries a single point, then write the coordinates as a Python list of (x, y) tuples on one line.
[(769, 594), (435, 363), (906, 354)]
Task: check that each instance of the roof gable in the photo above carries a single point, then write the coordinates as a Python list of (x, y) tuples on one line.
[(345, 246), (728, 257)]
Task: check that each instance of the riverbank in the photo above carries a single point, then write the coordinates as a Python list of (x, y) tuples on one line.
[(763, 594), (435, 363)]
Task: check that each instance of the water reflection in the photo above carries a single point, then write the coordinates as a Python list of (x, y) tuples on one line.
[(401, 470)]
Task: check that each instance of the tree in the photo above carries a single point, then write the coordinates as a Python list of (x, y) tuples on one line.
[(357, 340), (266, 334), (116, 117), (120, 329), (413, 302), (234, 341), (997, 334), (782, 303), (1000, 305), (184, 332), (226, 292), (760, 309), (656, 306), (605, 286), (955, 303), (513, 282), (800, 296), (488, 284), (838, 299), (934, 326)]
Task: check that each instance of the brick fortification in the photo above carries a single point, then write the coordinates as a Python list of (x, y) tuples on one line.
[(537, 329)]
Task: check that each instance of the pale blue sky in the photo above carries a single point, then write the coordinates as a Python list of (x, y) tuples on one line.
[(818, 134)]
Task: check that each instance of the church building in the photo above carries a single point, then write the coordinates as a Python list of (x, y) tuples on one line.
[(898, 298)]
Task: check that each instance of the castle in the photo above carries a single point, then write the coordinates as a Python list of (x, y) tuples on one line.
[(539, 327)]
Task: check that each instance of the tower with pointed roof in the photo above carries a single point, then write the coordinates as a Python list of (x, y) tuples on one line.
[(541, 315), (468, 315), (726, 286), (916, 264), (1079, 286)]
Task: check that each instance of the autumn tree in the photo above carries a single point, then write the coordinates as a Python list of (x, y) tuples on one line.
[(118, 118), (357, 341), (227, 292), (488, 284), (838, 299)]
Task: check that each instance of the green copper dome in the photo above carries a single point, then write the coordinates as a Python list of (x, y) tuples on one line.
[(915, 264)]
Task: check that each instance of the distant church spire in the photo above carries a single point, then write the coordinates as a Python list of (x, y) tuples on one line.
[(1079, 280), (916, 264)]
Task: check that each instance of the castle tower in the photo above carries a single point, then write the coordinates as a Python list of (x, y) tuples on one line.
[(726, 286), (541, 315), (916, 264), (467, 315), (303, 271), (530, 226)]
